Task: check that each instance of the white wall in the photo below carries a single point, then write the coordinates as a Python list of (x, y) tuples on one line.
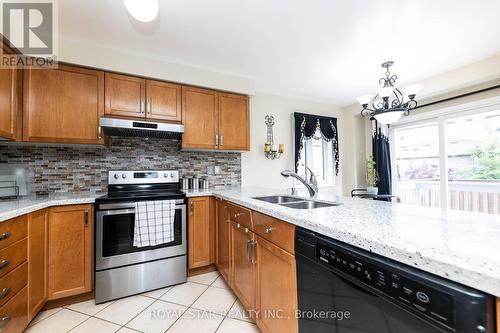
[(465, 79), (256, 169), (100, 56)]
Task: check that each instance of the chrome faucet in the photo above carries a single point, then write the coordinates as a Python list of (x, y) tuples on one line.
[(311, 185)]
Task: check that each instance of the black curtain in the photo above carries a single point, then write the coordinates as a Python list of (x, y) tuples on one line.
[(382, 157), (305, 127)]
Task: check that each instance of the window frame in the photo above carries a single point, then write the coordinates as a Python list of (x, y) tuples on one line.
[(441, 116)]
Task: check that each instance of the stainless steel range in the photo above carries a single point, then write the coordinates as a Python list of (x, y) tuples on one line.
[(121, 269)]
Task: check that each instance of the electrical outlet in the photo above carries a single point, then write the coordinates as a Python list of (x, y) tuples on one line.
[(217, 169)]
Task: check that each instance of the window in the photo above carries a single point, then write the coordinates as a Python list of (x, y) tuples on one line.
[(318, 156), (463, 148)]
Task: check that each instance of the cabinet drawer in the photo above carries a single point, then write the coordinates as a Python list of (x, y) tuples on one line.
[(13, 256), (14, 314), (11, 283), (240, 215), (276, 231), (13, 230)]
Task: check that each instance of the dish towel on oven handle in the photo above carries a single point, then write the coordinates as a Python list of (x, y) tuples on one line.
[(154, 222)]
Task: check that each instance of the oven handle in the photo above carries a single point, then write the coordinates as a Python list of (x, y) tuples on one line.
[(129, 205)]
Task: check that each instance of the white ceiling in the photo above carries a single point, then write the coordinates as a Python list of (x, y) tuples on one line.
[(324, 50)]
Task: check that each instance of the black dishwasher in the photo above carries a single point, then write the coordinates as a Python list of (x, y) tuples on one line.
[(343, 289)]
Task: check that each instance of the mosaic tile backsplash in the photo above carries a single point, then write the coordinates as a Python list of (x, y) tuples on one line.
[(82, 168)]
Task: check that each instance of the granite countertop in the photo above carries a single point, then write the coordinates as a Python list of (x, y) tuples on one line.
[(26, 205), (461, 246), (456, 245)]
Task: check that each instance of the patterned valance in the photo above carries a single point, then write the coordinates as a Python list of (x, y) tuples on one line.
[(306, 126)]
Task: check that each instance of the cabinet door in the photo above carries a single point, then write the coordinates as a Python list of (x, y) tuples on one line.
[(70, 250), (10, 94), (199, 116), (199, 246), (243, 265), (276, 288), (125, 96), (163, 101), (37, 261), (223, 237), (63, 105), (234, 122)]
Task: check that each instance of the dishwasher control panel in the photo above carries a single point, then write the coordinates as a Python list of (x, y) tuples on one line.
[(389, 281)]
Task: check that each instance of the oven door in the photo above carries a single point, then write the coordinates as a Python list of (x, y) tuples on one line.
[(114, 237)]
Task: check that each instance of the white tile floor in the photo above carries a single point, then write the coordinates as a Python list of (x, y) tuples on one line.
[(204, 304)]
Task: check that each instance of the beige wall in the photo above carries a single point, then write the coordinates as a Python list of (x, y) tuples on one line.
[(256, 169)]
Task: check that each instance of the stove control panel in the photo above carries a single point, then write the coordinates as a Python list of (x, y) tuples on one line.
[(119, 177)]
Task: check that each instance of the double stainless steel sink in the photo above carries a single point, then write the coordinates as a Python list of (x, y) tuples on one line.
[(295, 202)]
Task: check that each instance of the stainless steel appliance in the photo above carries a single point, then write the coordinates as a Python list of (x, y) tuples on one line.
[(378, 294), (120, 268), (146, 129)]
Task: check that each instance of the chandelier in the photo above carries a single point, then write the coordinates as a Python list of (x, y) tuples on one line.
[(390, 103)]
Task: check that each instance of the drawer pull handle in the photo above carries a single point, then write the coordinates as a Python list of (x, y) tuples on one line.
[(4, 236), (237, 215), (269, 230), (4, 293), (238, 225), (4, 321), (4, 263)]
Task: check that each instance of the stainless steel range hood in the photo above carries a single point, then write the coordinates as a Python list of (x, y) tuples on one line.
[(143, 129)]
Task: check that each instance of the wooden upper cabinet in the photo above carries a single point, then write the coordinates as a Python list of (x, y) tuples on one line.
[(70, 250), (234, 122), (199, 225), (243, 265), (63, 105), (199, 108), (223, 237), (10, 101), (125, 96), (163, 101), (276, 288), (37, 261)]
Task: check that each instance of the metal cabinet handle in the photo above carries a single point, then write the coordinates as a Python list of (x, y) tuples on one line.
[(142, 107), (99, 132), (216, 140), (238, 225), (4, 236), (4, 263), (191, 208), (254, 259), (221, 140), (249, 250), (269, 230), (86, 218), (5, 291), (4, 321), (237, 215), (246, 230)]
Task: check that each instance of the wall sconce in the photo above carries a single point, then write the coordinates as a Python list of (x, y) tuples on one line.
[(270, 150)]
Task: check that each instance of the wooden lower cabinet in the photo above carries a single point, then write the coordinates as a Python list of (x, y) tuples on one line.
[(200, 232), (243, 265), (14, 314), (276, 288), (70, 250), (38, 224), (223, 238)]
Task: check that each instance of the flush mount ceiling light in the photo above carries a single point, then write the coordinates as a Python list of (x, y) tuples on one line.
[(390, 103), (142, 10)]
